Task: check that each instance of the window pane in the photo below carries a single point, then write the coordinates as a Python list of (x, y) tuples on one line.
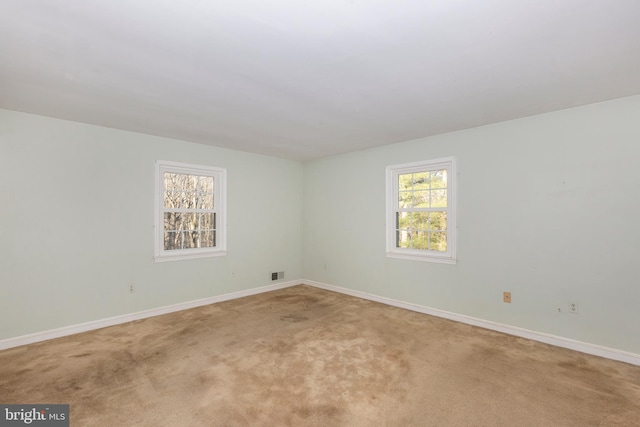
[(423, 214), (403, 219), (403, 239), (172, 181), (404, 199), (191, 183), (189, 200), (205, 201), (187, 183), (439, 198), (438, 241), (419, 240), (207, 239), (420, 221), (186, 200), (421, 199), (438, 220), (172, 220), (421, 181), (190, 221), (439, 179), (175, 181), (190, 239), (207, 221), (172, 199), (205, 185), (405, 181), (172, 240)]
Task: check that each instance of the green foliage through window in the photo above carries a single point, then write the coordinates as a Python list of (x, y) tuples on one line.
[(421, 217)]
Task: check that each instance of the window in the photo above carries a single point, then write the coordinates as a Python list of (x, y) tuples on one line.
[(421, 217), (190, 211)]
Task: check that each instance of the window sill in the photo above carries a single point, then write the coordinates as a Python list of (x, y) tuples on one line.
[(423, 258), (163, 258)]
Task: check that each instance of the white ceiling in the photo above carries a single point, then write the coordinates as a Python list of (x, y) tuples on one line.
[(306, 79)]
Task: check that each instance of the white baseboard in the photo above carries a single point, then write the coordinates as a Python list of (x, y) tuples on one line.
[(583, 347), (116, 320)]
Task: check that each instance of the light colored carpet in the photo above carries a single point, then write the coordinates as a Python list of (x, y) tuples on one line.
[(308, 357)]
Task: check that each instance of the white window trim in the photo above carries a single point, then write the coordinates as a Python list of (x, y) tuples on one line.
[(220, 192), (392, 173)]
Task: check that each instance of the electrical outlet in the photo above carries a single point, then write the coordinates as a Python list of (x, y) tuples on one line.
[(573, 307), (132, 288), (506, 297)]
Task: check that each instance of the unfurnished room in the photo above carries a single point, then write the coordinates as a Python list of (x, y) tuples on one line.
[(320, 213)]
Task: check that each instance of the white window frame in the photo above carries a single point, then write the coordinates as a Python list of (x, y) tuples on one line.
[(220, 208), (392, 173)]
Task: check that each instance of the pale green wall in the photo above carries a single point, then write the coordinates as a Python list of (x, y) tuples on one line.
[(76, 223), (548, 208)]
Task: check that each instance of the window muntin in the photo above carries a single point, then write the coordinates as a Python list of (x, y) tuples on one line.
[(190, 211), (420, 211)]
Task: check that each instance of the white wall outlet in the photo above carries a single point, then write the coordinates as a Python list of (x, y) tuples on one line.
[(132, 288), (573, 307)]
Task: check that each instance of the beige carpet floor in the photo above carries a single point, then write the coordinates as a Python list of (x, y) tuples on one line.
[(302, 356)]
